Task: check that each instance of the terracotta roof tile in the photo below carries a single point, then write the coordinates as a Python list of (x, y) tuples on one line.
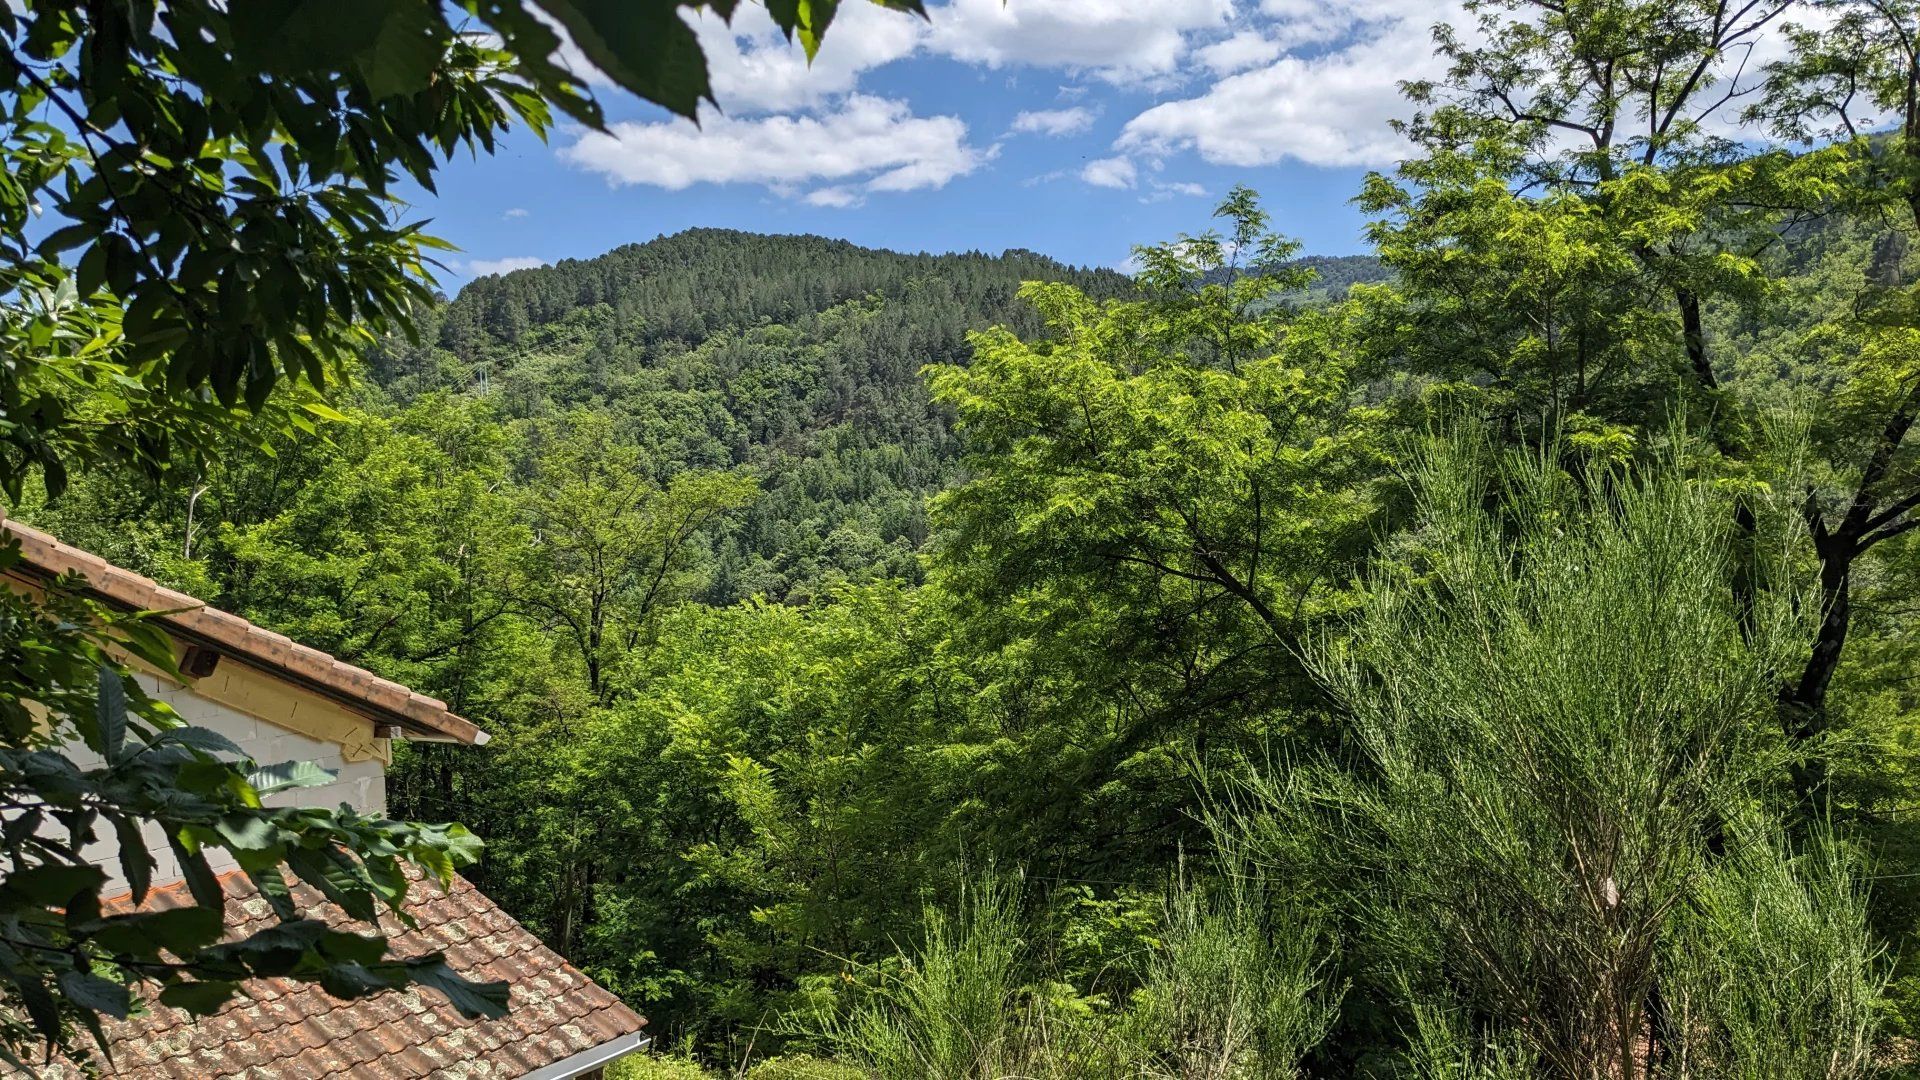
[(380, 700), (290, 1031)]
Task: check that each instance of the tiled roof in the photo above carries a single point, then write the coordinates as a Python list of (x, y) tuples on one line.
[(381, 700), (282, 1030)]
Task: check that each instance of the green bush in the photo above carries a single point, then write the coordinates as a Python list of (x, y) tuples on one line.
[(1233, 990), (1773, 968), (803, 1067), (656, 1067), (953, 1012)]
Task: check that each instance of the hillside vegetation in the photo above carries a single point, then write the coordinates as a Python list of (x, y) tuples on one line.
[(765, 684), (795, 358), (1495, 665)]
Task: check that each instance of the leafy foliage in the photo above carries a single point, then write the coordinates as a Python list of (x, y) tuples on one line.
[(805, 587), (221, 246)]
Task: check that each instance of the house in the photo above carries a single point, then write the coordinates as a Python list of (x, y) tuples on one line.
[(280, 700)]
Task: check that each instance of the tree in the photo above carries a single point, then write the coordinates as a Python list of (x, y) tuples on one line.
[(1584, 201), (1548, 822), (224, 173), (610, 547), (1839, 83), (1579, 200), (218, 177), (1167, 495)]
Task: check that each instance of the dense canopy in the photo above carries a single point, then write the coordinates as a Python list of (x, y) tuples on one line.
[(1489, 657)]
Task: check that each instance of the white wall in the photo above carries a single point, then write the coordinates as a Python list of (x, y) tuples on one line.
[(360, 784)]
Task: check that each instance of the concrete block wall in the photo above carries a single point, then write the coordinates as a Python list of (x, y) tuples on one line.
[(360, 784)]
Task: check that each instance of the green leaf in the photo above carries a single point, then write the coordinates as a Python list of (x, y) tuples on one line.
[(434, 860), (93, 992), (405, 50), (248, 832), (326, 412), (149, 643), (202, 998), (475, 1000), (136, 862), (815, 16), (287, 775), (42, 1007), (72, 236), (336, 878), (15, 830), (200, 879), (182, 931), (464, 845), (110, 713), (273, 885), (645, 46), (199, 738), (54, 884), (805, 19)]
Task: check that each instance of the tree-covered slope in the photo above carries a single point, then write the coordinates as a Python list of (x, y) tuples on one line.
[(697, 283), (796, 358)]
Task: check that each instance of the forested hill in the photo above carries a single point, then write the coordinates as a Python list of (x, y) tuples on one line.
[(693, 284), (1333, 275), (795, 357)]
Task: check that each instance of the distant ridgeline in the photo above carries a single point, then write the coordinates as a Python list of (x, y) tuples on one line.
[(1333, 275), (797, 357)]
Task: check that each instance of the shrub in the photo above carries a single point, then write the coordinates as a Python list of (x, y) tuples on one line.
[(951, 1013), (804, 1067), (1232, 992), (656, 1067)]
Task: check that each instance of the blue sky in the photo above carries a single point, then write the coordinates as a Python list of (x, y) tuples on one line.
[(1072, 127)]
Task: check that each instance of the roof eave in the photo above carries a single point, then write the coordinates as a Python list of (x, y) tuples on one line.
[(193, 622)]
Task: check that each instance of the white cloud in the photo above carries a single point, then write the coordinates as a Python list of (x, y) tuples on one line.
[(1160, 192), (1297, 24), (483, 267), (1054, 121), (1239, 52), (1317, 81), (755, 69), (1113, 172), (835, 197), (1243, 84), (1329, 109), (1117, 41), (867, 140), (516, 212), (1312, 80)]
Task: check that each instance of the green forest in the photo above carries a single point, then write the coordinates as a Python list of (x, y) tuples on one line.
[(1073, 675), (1489, 657)]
